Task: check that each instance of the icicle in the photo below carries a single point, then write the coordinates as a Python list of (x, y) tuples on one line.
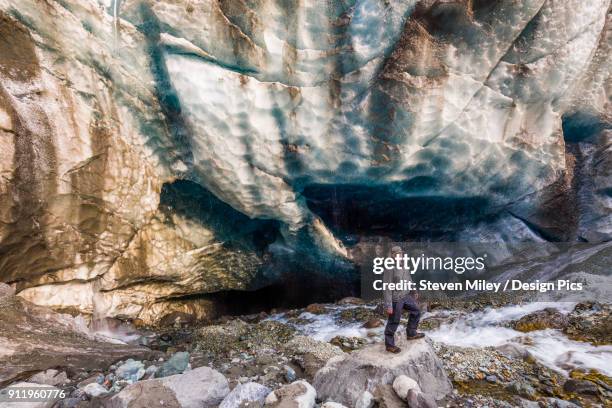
[(116, 4)]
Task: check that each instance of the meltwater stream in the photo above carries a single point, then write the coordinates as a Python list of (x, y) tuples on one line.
[(478, 330)]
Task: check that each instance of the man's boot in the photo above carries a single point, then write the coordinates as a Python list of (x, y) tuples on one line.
[(415, 336), (393, 349)]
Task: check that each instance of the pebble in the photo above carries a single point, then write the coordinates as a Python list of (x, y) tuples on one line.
[(290, 374), (94, 390), (491, 378)]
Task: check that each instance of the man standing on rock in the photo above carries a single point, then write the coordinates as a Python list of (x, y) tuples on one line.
[(395, 301)]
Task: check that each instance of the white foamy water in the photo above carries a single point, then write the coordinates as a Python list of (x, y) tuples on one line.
[(324, 327), (481, 329), (551, 347), (557, 351), (102, 330)]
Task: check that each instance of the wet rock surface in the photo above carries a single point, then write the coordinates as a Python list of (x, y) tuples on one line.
[(543, 319), (250, 394), (591, 322), (345, 378), (35, 339)]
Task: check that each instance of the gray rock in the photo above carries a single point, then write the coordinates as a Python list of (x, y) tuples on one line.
[(299, 394), (491, 378), (94, 390), (250, 392), (68, 403), (314, 354), (365, 400), (96, 378), (345, 378), (49, 377), (131, 370), (512, 350), (28, 348), (523, 403), (522, 389), (202, 387), (558, 403), (403, 384), (417, 399), (150, 372), (580, 387), (331, 404), (386, 397), (176, 364)]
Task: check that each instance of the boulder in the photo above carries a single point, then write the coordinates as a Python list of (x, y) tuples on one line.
[(385, 397), (365, 400), (96, 378), (311, 354), (34, 339), (522, 389), (575, 386), (131, 370), (559, 403), (591, 322), (49, 377), (548, 318), (417, 399), (94, 390), (345, 378), (298, 394), (199, 388), (250, 392), (523, 403), (403, 384), (177, 364)]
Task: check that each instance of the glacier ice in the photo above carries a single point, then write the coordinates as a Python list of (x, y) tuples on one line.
[(457, 101), (320, 120)]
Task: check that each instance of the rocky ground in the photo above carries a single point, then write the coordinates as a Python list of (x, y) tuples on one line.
[(270, 360)]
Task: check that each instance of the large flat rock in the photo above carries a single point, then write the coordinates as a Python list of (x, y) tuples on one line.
[(202, 387), (34, 338), (344, 379)]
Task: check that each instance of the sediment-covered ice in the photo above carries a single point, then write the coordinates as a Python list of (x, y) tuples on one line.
[(445, 99)]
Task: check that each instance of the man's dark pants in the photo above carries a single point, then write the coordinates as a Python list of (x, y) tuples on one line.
[(393, 322)]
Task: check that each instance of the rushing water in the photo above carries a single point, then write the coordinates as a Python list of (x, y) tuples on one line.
[(481, 329)]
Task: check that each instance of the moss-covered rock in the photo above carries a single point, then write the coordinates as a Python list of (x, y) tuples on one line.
[(548, 318), (590, 322)]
